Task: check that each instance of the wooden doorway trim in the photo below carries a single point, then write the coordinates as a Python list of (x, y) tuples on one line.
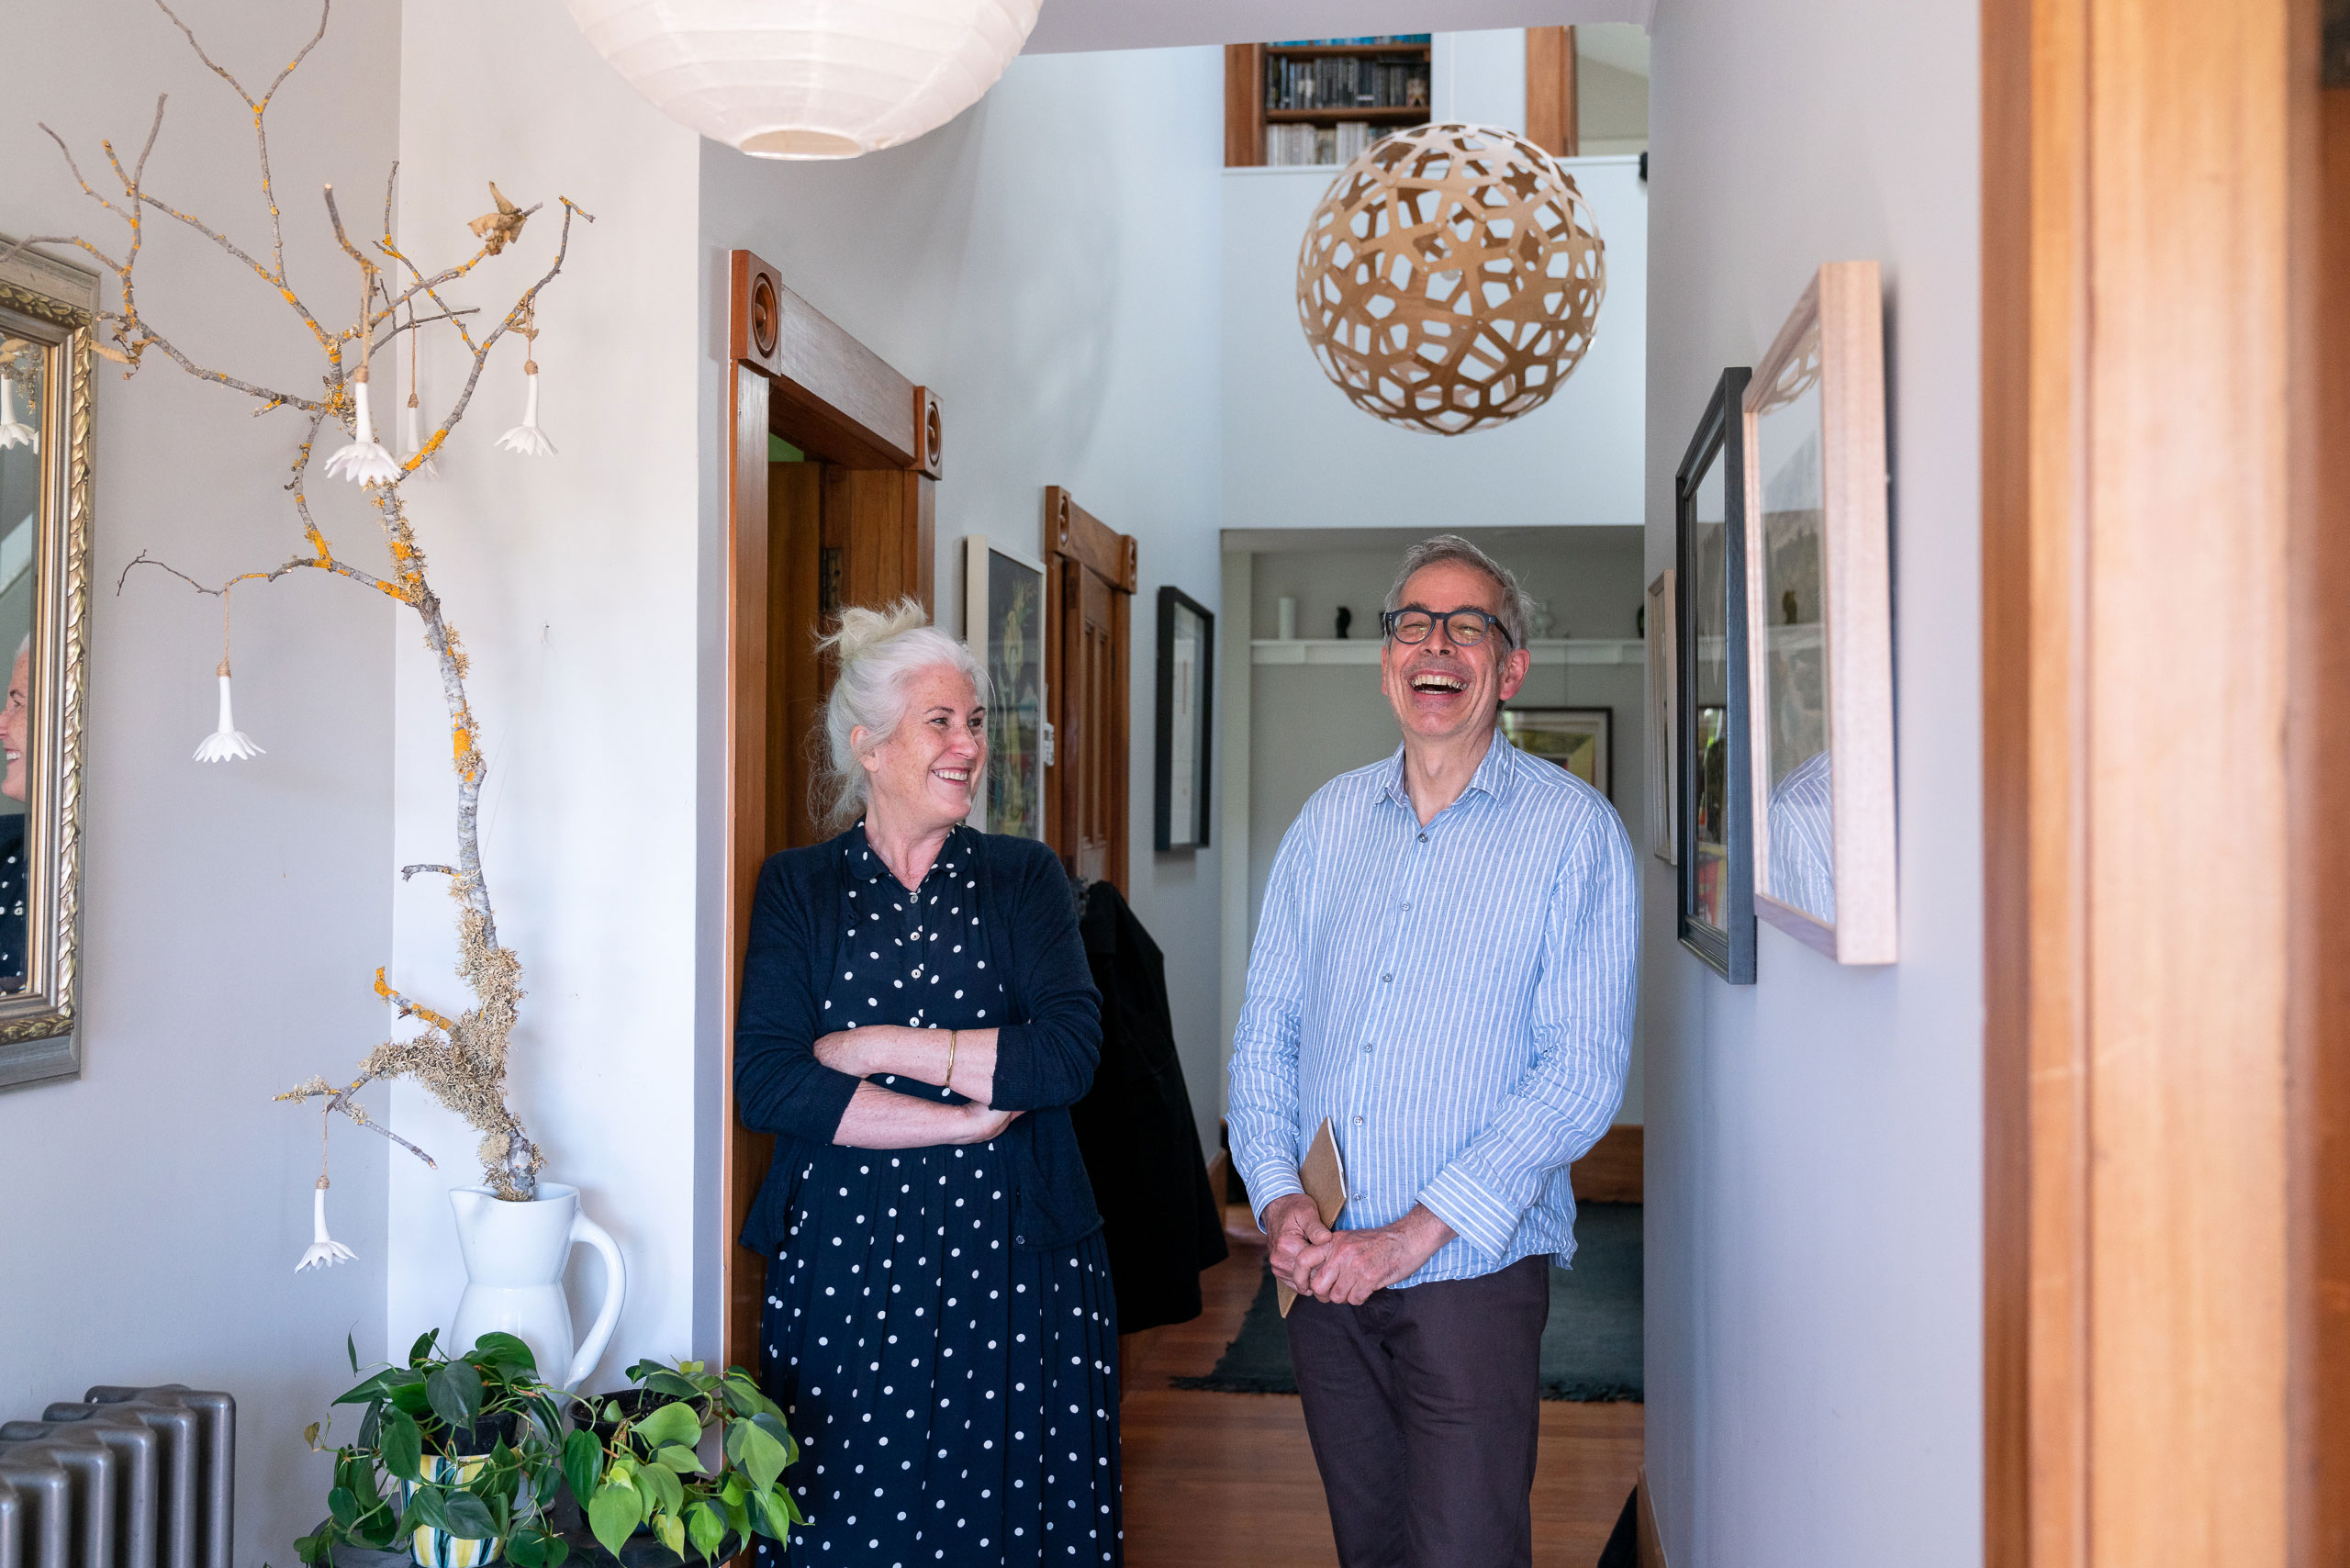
[(1089, 687), (793, 374), (2140, 496)]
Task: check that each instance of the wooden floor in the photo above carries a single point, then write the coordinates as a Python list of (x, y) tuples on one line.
[(1216, 1479)]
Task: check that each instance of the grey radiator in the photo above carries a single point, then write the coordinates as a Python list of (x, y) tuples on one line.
[(128, 1478)]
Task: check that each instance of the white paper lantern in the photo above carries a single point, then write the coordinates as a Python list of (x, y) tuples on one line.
[(809, 78)]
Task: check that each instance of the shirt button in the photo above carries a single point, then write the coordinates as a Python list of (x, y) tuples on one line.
[(1020, 1241), (1385, 979), (1366, 1046), (1407, 905), (1357, 1121), (1424, 838)]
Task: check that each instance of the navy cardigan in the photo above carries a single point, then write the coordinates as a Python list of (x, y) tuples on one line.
[(1044, 1058)]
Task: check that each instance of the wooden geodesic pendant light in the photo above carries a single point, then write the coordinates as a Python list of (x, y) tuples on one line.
[(1450, 279)]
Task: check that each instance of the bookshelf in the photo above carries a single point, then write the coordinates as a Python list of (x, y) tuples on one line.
[(1349, 91), (1257, 75)]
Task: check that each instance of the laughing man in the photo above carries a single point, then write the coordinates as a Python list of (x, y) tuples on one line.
[(1443, 967)]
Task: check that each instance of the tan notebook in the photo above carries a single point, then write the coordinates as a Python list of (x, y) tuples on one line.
[(1324, 1177)]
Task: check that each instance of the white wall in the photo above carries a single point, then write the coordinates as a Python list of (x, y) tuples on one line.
[(233, 915), (1297, 454), (574, 582), (1814, 1142), (1047, 264)]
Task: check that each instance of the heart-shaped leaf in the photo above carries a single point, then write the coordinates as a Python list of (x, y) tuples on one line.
[(612, 1516), (678, 1457), (403, 1446), (582, 1464), (707, 1528), (454, 1391), (672, 1533), (421, 1351), (773, 1426), (762, 1457), (675, 1423), (342, 1505), (469, 1517), (507, 1354)]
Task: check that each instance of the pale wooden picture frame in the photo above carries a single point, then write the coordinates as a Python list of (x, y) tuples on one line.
[(1664, 649), (1834, 342)]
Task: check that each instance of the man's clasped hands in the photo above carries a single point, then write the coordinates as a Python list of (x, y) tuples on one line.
[(1343, 1267)]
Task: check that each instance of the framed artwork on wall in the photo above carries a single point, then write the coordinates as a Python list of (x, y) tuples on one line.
[(1818, 623), (1658, 630), (48, 325), (1186, 675), (1577, 739), (1003, 624), (1712, 820)]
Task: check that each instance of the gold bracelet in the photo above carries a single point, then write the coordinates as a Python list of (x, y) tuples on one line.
[(954, 1042)]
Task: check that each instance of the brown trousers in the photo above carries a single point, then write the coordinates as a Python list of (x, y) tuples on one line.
[(1424, 1407)]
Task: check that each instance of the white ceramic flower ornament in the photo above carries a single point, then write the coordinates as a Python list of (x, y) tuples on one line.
[(14, 431), (227, 744), (527, 438), (365, 461), (324, 1251)]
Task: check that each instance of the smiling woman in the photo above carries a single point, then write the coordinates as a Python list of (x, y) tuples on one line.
[(917, 1016)]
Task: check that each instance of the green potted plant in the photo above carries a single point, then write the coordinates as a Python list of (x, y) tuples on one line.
[(454, 1457), (633, 1461)]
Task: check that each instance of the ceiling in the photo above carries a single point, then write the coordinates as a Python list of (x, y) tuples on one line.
[(1066, 25)]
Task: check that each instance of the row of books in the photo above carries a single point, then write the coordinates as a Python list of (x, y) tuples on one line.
[(1344, 82), (1350, 43), (1290, 145)]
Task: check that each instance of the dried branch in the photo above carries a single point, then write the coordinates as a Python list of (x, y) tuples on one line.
[(341, 1100), (461, 1060)]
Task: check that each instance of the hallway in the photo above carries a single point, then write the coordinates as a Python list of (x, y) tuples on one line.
[(1222, 1480)]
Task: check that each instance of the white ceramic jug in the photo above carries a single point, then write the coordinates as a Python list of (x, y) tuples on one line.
[(515, 1255)]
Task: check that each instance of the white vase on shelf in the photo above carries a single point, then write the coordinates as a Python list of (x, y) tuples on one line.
[(515, 1255)]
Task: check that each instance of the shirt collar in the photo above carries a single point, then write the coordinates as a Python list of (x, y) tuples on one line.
[(1495, 776)]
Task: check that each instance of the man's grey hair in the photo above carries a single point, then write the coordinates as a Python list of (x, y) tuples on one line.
[(1517, 605)]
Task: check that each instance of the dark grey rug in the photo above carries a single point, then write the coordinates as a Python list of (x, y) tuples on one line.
[(1591, 1348)]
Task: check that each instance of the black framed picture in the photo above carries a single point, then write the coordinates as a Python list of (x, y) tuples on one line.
[(1003, 624), (1714, 823), (1186, 680)]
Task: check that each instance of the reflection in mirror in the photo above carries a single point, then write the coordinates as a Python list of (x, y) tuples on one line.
[(24, 395), (47, 310), (1709, 636), (1800, 868)]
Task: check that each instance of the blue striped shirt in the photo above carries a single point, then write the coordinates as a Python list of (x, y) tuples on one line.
[(1457, 999)]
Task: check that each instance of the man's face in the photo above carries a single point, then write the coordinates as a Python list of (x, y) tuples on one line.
[(1438, 689)]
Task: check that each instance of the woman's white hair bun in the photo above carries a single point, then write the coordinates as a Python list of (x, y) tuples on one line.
[(861, 629)]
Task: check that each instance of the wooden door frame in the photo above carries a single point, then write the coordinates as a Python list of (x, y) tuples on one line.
[(2146, 438), (1073, 534), (792, 373)]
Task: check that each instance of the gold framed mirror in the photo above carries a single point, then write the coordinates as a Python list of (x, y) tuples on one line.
[(48, 313)]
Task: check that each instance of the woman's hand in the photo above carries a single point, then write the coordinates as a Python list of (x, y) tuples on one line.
[(983, 1124)]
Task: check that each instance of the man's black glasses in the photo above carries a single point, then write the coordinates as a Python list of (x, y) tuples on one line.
[(1463, 628)]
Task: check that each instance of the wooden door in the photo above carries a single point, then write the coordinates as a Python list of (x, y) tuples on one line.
[(850, 524), (1089, 678)]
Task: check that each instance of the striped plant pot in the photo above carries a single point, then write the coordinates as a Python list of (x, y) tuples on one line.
[(437, 1547)]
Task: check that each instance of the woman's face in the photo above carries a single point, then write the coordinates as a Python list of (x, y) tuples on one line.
[(16, 727), (922, 777)]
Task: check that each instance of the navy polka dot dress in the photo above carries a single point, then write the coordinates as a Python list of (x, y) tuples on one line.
[(955, 1396)]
